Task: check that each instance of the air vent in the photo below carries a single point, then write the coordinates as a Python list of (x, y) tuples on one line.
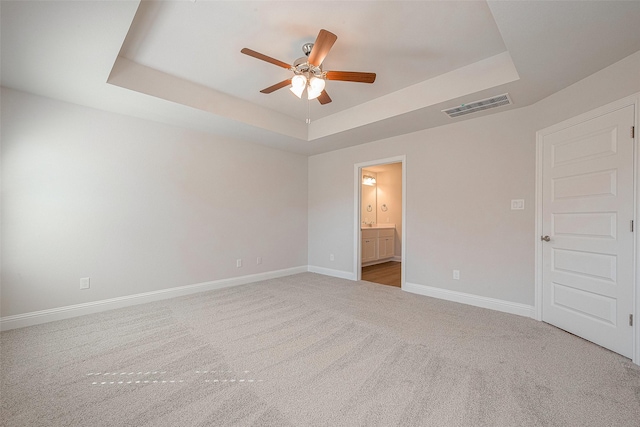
[(473, 107)]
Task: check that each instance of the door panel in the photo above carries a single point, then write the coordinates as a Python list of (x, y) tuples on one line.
[(587, 206), (585, 264), (585, 185), (597, 225), (593, 306)]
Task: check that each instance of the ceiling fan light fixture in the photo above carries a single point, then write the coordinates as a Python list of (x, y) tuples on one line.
[(299, 80), (297, 91), (316, 86), (298, 83), (312, 95)]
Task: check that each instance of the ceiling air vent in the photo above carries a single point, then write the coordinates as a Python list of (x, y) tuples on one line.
[(473, 107)]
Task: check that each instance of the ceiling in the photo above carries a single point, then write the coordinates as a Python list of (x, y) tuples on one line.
[(179, 62)]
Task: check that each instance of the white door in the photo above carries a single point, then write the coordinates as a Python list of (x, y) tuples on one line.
[(587, 208)]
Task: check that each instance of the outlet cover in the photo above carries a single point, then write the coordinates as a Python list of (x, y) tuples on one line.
[(85, 282), (456, 274), (331, 257), (259, 260), (238, 263)]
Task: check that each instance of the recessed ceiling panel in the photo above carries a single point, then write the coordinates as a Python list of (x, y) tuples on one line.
[(180, 61), (404, 43)]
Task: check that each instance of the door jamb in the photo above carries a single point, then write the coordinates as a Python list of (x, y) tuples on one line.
[(608, 108), (357, 191)]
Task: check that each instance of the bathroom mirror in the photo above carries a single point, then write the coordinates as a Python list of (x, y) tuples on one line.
[(369, 196)]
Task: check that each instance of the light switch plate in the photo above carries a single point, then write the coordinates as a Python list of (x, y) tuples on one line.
[(85, 282), (517, 204)]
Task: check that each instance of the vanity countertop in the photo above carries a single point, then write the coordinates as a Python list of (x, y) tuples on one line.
[(377, 226)]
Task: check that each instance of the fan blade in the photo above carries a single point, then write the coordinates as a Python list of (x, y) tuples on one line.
[(351, 76), (276, 86), (266, 58), (321, 47), (324, 98)]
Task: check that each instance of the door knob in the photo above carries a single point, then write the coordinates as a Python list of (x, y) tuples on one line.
[(545, 238)]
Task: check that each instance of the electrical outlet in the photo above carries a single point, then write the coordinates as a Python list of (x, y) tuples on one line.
[(456, 274), (331, 257), (259, 260), (238, 263), (85, 282)]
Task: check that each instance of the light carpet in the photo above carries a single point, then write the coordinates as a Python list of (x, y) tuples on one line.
[(310, 350)]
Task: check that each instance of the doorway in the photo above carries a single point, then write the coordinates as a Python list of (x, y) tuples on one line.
[(379, 223), (386, 273), (585, 258)]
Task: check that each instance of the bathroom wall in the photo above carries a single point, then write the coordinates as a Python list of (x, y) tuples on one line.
[(389, 197)]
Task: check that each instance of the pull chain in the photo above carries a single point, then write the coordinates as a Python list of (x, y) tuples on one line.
[(308, 121)]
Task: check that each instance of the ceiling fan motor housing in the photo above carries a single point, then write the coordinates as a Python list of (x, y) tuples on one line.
[(306, 48), (302, 66)]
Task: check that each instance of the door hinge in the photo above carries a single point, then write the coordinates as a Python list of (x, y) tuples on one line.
[(633, 131), (631, 320), (632, 226)]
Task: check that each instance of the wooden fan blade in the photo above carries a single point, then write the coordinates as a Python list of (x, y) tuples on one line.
[(276, 86), (321, 47), (266, 58), (324, 98), (351, 76)]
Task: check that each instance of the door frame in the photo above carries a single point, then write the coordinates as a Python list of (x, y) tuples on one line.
[(608, 108), (357, 195)]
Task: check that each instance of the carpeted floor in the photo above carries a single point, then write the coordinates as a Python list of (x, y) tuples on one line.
[(310, 350)]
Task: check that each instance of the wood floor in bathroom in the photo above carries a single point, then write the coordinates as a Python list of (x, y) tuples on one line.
[(387, 273)]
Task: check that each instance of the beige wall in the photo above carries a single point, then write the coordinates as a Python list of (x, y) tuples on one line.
[(460, 179), (458, 205), (136, 205), (139, 206)]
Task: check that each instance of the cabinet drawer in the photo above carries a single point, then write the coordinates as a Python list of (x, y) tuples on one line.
[(386, 232), (369, 234)]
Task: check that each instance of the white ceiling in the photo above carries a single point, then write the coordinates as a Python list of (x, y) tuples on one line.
[(417, 44), (179, 62)]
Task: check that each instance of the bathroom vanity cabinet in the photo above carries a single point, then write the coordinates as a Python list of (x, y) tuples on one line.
[(378, 243)]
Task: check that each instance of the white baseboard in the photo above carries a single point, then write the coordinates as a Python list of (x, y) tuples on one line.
[(470, 299), (60, 313), (333, 273)]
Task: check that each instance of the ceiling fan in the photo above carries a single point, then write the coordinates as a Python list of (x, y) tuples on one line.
[(308, 72)]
